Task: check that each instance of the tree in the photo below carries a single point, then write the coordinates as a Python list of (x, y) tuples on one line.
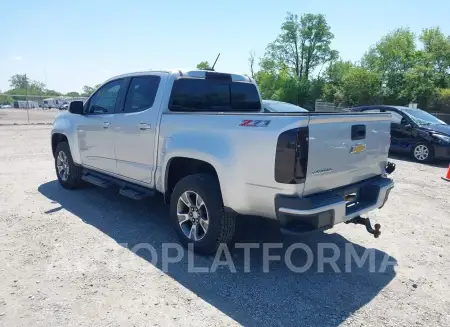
[(436, 55), (22, 82), (268, 84), (336, 71), (87, 90), (349, 84), (36, 87), (302, 45), (442, 101), (360, 86), (392, 58), (53, 93), (334, 76), (420, 85), (204, 65), (73, 94), (5, 99), (18, 81), (288, 64), (282, 87), (22, 85)]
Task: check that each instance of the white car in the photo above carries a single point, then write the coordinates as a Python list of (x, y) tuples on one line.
[(201, 139), (65, 106)]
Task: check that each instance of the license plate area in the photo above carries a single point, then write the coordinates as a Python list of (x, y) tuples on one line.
[(351, 199), (360, 198)]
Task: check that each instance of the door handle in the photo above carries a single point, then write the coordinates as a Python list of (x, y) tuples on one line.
[(106, 124), (144, 126)]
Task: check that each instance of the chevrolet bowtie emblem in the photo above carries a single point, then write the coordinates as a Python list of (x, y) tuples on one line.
[(357, 148)]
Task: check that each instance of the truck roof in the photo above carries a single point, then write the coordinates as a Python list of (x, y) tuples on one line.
[(194, 73)]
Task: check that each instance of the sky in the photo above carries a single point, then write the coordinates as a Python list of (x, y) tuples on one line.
[(69, 44)]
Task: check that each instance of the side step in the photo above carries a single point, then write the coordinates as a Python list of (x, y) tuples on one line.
[(96, 181), (135, 194)]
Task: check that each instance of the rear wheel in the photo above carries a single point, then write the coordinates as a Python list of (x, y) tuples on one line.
[(69, 175), (423, 152), (198, 214)]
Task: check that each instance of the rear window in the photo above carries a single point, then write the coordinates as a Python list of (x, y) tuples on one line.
[(191, 94)]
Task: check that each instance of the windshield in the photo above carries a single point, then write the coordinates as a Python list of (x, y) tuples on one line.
[(422, 117), (278, 106)]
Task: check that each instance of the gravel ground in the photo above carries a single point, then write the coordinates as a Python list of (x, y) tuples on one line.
[(23, 116), (65, 261)]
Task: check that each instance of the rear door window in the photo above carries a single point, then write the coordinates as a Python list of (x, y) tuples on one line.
[(141, 93), (189, 94)]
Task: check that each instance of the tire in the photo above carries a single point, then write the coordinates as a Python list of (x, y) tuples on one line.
[(73, 179), (221, 224), (423, 152)]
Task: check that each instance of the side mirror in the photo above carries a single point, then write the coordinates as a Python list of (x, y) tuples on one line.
[(76, 107)]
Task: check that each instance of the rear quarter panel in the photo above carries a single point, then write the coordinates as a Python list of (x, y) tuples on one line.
[(242, 156)]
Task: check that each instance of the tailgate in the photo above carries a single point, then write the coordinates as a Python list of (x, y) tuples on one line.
[(345, 149)]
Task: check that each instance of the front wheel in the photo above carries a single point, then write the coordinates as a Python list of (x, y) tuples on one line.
[(69, 175), (198, 214), (423, 152)]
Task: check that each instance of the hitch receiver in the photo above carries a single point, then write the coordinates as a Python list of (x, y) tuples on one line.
[(390, 167), (366, 222)]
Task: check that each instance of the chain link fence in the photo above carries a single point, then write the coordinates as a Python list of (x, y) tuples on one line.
[(322, 106), (23, 109)]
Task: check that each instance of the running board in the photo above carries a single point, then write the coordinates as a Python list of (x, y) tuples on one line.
[(96, 181), (130, 190), (135, 194)]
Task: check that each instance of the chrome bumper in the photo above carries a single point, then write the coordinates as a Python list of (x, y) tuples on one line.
[(329, 208)]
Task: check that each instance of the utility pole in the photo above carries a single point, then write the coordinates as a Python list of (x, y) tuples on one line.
[(26, 99)]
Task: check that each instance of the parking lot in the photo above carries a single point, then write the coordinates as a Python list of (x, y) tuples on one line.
[(66, 258)]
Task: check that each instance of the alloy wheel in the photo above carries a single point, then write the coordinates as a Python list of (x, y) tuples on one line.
[(62, 164), (421, 152), (192, 215)]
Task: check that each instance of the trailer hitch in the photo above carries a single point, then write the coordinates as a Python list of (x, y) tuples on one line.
[(390, 167), (366, 222)]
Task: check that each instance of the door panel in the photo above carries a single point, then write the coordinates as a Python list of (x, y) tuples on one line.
[(96, 142), (95, 134), (135, 129)]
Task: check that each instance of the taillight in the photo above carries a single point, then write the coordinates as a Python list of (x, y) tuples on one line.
[(291, 159)]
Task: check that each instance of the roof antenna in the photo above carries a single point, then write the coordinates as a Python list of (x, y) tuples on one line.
[(212, 68)]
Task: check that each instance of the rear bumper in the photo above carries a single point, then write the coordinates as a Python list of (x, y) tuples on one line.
[(324, 210)]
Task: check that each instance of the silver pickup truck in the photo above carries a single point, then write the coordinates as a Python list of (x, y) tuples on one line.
[(202, 140)]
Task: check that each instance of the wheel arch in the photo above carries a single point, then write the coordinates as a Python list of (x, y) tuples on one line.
[(179, 167), (56, 139)]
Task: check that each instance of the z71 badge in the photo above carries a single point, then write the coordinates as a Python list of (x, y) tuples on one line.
[(255, 123)]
